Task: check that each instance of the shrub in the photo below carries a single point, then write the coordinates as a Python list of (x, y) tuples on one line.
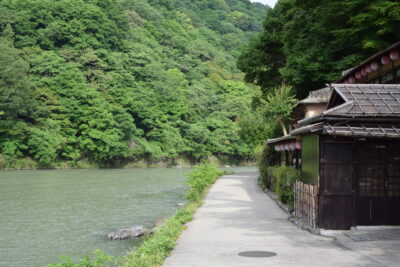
[(270, 178), (284, 181), (265, 159), (200, 179)]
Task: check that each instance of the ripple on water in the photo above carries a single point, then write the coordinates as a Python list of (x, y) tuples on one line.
[(45, 214)]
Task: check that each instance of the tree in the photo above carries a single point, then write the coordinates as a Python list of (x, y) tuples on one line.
[(279, 106), (307, 44), (16, 104), (15, 88), (7, 36), (114, 81)]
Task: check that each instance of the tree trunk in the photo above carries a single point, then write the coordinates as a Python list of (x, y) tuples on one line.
[(285, 133)]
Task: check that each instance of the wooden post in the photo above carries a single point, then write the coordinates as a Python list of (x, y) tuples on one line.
[(287, 158)]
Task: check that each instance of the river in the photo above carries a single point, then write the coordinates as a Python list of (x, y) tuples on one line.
[(45, 214)]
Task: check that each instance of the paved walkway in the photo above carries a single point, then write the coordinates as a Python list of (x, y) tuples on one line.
[(237, 216)]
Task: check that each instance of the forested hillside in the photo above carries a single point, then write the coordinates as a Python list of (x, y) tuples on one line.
[(110, 82)]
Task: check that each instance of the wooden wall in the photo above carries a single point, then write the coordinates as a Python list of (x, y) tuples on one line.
[(337, 183)]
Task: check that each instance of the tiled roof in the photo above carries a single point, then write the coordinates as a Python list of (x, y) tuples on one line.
[(318, 96), (367, 100), (361, 101), (311, 128), (362, 130), (354, 129), (280, 139)]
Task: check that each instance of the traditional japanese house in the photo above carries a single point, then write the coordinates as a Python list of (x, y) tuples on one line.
[(351, 150)]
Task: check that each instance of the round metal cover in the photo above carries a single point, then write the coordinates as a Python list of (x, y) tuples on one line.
[(257, 254)]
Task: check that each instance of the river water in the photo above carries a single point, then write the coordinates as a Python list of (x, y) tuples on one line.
[(45, 214)]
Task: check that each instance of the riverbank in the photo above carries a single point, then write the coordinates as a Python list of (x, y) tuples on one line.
[(30, 164), (157, 246)]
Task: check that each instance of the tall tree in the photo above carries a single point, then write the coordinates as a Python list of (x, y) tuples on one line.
[(309, 43)]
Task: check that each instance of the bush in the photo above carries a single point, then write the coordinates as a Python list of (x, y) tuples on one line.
[(281, 181), (265, 159), (200, 179), (284, 181)]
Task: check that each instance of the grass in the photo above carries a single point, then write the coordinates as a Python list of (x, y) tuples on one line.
[(156, 247)]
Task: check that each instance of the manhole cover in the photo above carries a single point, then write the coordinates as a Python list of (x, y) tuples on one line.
[(257, 254)]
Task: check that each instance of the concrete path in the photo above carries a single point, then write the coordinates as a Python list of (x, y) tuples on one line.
[(386, 251), (237, 216)]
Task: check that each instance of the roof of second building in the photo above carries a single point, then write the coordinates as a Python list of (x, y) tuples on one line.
[(318, 96)]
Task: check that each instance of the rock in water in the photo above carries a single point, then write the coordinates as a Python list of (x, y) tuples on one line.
[(181, 204), (127, 233)]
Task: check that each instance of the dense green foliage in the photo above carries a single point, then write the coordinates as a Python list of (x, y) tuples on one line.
[(284, 182), (280, 179), (109, 82), (308, 43), (156, 247), (265, 159), (279, 105)]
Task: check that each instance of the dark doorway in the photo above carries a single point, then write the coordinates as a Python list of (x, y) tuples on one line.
[(378, 182)]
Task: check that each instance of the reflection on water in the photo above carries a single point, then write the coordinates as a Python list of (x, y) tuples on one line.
[(44, 214)]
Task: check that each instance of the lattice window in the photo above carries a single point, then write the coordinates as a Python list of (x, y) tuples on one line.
[(393, 172), (372, 170), (379, 170)]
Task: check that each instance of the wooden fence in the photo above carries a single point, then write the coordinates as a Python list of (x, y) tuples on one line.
[(306, 203)]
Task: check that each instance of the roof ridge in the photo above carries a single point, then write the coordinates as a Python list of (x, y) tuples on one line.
[(348, 103), (364, 85)]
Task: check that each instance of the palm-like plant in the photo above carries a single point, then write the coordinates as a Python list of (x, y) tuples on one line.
[(279, 105)]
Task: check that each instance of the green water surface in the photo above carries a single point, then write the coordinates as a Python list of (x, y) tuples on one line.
[(44, 214)]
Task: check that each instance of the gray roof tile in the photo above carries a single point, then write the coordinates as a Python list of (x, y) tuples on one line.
[(367, 100)]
